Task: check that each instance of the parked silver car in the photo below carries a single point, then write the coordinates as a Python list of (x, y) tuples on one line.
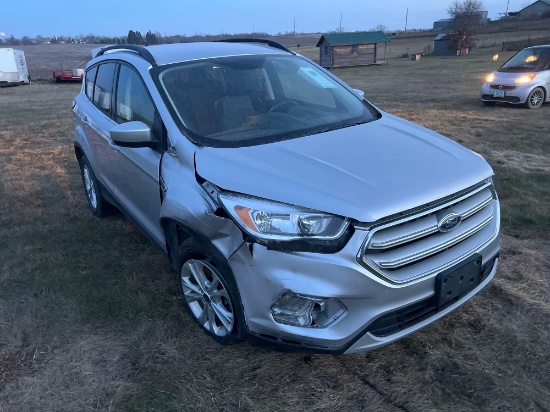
[(524, 79), (296, 214)]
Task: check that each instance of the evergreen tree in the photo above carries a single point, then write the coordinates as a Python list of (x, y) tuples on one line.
[(151, 38), (132, 39), (139, 38)]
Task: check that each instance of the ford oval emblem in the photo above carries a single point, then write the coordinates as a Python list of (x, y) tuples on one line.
[(449, 222)]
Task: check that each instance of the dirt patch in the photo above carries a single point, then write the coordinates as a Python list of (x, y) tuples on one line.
[(524, 162)]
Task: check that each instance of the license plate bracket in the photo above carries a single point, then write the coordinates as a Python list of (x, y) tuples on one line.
[(456, 282)]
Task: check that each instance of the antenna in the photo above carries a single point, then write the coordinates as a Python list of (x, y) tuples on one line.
[(340, 23), (406, 19), (507, 5)]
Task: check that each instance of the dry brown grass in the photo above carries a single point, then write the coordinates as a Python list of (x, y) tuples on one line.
[(90, 316)]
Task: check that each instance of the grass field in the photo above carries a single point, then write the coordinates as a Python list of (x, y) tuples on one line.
[(91, 319)]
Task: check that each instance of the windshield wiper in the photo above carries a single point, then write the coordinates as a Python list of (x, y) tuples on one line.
[(343, 126)]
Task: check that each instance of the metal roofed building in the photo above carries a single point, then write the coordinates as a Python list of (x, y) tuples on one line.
[(443, 24), (538, 9), (351, 49)]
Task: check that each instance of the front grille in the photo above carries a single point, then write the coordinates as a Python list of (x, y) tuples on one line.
[(503, 87), (507, 99), (413, 247)]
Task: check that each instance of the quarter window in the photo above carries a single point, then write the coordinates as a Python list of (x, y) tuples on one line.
[(132, 100), (90, 78)]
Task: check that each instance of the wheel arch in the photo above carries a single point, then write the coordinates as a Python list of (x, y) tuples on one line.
[(176, 232)]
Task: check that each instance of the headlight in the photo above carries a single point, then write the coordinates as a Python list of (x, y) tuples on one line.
[(490, 78), (525, 79), (266, 221)]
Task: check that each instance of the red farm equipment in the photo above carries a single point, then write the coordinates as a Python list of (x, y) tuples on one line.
[(75, 75)]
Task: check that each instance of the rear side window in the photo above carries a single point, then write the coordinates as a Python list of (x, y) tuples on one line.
[(90, 79), (132, 100), (103, 90)]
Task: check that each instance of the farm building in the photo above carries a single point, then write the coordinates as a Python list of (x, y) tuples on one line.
[(481, 19), (443, 24), (352, 49), (538, 9), (443, 45)]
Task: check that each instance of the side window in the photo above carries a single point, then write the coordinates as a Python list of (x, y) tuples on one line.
[(103, 90), (132, 100), (90, 78)]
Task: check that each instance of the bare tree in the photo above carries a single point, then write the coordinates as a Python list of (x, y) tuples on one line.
[(466, 15), (380, 27)]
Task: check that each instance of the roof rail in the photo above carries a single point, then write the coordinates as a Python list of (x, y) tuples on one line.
[(270, 43), (141, 50)]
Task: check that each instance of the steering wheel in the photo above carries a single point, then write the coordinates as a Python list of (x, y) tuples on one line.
[(286, 103)]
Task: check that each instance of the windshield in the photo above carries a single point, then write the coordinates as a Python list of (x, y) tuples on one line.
[(249, 100), (529, 60)]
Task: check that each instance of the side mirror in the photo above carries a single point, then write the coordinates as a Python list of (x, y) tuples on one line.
[(360, 93), (132, 134)]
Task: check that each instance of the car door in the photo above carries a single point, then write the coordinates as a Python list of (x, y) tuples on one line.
[(135, 172), (96, 117)]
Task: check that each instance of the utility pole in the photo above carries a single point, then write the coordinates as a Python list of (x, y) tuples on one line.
[(406, 19), (295, 26), (507, 5), (340, 31)]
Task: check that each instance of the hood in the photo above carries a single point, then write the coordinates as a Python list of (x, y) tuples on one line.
[(509, 78), (364, 172)]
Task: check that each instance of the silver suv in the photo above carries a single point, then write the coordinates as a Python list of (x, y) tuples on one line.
[(296, 214)]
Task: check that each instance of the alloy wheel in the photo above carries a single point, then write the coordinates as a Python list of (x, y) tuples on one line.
[(207, 297), (536, 98), (89, 185)]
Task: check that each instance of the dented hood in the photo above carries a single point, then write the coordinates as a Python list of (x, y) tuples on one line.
[(364, 172)]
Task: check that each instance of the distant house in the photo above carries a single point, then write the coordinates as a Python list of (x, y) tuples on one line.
[(538, 9), (443, 45), (352, 49)]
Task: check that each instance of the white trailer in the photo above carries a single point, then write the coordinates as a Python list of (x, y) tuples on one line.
[(13, 67)]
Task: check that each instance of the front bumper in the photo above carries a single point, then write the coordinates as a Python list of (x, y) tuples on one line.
[(517, 96), (262, 275)]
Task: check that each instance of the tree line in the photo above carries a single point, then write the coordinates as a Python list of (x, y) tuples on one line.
[(133, 37)]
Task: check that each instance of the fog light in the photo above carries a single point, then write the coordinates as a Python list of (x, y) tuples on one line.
[(297, 310)]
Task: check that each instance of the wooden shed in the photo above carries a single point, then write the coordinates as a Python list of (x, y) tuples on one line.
[(352, 49)]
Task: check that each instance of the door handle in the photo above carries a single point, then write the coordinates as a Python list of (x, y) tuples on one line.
[(85, 119)]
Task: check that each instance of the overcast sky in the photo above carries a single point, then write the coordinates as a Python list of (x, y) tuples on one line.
[(115, 18)]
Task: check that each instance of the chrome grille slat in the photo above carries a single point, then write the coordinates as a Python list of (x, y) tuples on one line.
[(478, 207), (406, 260), (425, 226), (413, 247)]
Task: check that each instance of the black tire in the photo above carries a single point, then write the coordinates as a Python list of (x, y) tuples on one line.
[(489, 103), (536, 98), (97, 203), (213, 302)]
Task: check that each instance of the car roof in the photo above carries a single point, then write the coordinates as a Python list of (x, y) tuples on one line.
[(180, 52)]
